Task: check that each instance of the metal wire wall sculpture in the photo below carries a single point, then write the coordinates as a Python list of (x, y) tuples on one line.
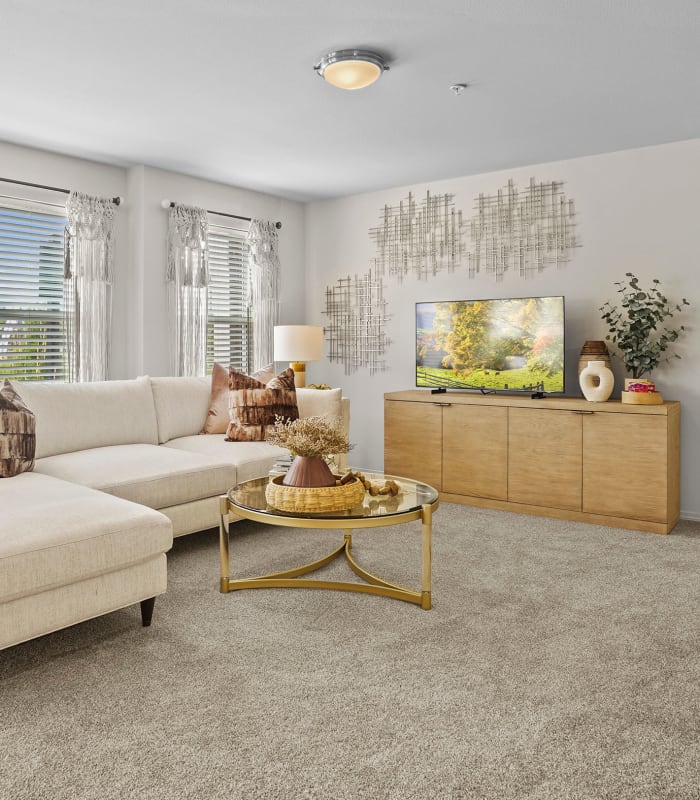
[(524, 231), (355, 332), (425, 237), (521, 231)]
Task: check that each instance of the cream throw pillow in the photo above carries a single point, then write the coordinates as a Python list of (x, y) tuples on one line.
[(320, 403)]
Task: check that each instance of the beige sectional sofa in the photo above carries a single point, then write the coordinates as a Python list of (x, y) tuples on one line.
[(121, 468)]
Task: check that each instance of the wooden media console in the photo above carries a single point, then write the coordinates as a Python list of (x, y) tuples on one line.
[(605, 463)]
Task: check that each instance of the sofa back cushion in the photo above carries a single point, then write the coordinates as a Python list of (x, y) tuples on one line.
[(181, 406), (78, 416)]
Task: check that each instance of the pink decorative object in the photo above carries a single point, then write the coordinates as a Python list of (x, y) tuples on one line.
[(641, 387)]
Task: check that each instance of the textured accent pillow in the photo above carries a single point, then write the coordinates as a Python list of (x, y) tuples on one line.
[(264, 374), (17, 434), (253, 405), (217, 416)]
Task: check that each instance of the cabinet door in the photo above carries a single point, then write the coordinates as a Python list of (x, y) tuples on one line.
[(544, 457), (475, 451), (412, 437), (625, 466)]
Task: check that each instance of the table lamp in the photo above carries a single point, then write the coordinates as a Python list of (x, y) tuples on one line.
[(298, 344)]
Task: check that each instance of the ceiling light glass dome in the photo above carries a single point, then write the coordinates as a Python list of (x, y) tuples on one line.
[(351, 69)]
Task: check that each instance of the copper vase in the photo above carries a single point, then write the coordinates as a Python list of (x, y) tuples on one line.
[(309, 472)]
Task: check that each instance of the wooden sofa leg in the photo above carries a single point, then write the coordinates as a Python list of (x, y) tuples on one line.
[(147, 611)]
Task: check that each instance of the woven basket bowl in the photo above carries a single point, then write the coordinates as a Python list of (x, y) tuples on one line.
[(317, 500)]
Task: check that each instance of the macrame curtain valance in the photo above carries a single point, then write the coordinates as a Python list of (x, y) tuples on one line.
[(187, 278), (89, 273), (263, 299)]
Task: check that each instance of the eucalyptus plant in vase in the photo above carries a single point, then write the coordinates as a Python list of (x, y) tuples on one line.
[(638, 328)]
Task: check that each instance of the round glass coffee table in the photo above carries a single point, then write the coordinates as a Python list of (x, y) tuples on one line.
[(415, 501)]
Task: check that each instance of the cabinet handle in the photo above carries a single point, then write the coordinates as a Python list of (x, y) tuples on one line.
[(445, 404), (579, 411)]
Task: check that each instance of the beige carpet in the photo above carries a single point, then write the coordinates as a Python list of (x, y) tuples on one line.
[(560, 660)]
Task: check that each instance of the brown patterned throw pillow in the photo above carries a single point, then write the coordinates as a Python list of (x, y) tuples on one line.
[(17, 434), (217, 418), (253, 405)]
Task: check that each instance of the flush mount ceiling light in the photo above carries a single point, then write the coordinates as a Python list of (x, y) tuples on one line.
[(351, 69)]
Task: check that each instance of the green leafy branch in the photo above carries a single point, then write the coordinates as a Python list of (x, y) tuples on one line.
[(636, 327)]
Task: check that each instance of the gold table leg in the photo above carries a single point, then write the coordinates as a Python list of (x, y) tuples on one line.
[(290, 578), (224, 543), (426, 580)]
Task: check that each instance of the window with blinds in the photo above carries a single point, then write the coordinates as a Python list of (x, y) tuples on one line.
[(33, 341), (228, 320)]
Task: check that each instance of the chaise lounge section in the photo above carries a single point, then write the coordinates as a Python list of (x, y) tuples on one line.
[(69, 553)]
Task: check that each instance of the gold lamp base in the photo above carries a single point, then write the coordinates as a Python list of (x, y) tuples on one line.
[(299, 368)]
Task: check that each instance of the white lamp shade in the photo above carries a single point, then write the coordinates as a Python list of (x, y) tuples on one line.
[(298, 342)]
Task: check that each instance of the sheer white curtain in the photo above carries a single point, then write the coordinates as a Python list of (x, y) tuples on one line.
[(263, 298), (187, 277), (89, 272)]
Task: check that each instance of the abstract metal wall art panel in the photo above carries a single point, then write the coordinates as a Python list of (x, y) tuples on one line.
[(355, 332), (523, 231), (423, 236)]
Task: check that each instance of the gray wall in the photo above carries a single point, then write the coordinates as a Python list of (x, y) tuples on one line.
[(637, 211)]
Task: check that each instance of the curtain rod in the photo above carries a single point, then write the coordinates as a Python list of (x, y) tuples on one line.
[(171, 204), (116, 200)]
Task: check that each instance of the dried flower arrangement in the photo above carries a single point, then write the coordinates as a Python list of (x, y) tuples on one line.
[(310, 436)]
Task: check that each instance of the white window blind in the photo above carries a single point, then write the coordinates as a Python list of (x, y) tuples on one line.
[(33, 343), (228, 321)]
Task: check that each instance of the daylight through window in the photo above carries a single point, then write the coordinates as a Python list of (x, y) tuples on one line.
[(228, 320), (33, 342)]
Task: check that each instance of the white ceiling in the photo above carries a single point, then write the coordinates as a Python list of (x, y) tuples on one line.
[(225, 90)]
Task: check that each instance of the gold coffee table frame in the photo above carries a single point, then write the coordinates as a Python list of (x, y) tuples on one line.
[(362, 516)]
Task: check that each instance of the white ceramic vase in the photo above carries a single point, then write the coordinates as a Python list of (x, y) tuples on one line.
[(596, 393)]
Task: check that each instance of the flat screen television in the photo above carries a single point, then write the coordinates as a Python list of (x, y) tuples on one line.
[(504, 345)]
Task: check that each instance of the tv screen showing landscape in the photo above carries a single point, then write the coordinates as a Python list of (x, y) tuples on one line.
[(514, 344)]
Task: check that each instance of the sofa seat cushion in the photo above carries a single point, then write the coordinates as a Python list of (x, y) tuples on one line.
[(251, 459), (54, 533), (152, 475)]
